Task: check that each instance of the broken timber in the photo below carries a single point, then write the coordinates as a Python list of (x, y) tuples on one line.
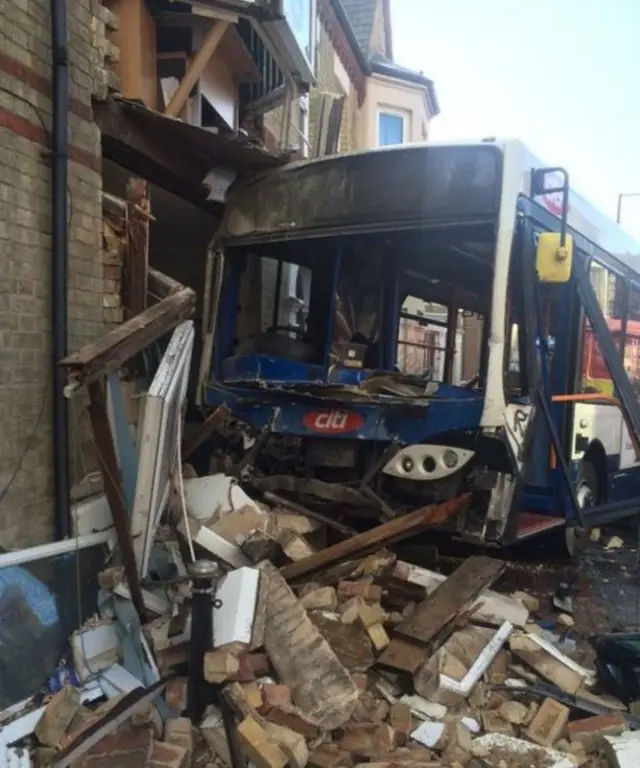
[(435, 614), (122, 343), (204, 431), (428, 626), (395, 530), (274, 498), (106, 453)]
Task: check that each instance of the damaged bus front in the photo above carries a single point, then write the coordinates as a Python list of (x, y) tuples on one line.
[(359, 316)]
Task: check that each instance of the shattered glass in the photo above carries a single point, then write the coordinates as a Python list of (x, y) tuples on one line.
[(41, 604)]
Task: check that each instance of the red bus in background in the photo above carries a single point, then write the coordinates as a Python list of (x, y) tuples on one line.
[(595, 376)]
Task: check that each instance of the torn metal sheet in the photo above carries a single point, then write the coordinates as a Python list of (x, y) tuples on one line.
[(163, 412)]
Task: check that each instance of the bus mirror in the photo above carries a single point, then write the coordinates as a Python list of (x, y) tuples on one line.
[(553, 260)]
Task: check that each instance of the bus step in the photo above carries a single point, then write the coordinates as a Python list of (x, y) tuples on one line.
[(531, 524)]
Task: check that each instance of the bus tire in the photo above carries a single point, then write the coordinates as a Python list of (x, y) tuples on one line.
[(587, 495)]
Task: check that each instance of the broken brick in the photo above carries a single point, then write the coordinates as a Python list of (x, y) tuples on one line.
[(492, 722), (165, 755), (458, 743), (58, 716), (321, 599), (401, 721), (350, 610), (548, 723), (178, 731), (371, 614), (590, 731), (378, 636), (237, 697), (361, 680), (258, 747), (294, 718), (252, 694), (175, 694), (294, 546), (362, 588), (128, 747), (274, 695), (330, 756), (291, 743), (514, 712), (367, 739), (220, 666), (259, 663)]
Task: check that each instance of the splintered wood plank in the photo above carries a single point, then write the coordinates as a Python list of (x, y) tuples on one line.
[(377, 537), (320, 685), (440, 608), (121, 343)]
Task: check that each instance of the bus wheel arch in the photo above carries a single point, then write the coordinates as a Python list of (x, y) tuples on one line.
[(590, 489), (593, 472)]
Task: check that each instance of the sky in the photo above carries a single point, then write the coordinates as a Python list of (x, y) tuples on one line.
[(562, 75)]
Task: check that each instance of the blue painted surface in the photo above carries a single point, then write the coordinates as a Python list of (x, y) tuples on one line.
[(383, 419), (35, 594)]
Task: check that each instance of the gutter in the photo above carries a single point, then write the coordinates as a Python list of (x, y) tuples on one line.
[(59, 261)]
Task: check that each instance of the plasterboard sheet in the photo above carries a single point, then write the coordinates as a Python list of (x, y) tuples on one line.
[(233, 621), (214, 496), (163, 411)]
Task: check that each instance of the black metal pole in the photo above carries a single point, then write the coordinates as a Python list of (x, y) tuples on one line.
[(199, 691), (59, 260)]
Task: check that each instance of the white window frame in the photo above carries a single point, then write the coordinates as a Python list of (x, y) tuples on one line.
[(404, 115)]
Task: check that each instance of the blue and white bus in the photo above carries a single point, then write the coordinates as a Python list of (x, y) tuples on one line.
[(398, 327)]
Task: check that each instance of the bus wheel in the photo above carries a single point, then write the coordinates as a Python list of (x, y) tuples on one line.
[(587, 492)]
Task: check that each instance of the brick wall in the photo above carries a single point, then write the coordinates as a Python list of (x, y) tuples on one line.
[(26, 475), (328, 81)]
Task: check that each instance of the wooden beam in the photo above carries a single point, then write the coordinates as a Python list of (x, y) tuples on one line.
[(161, 285), (195, 68), (395, 530), (439, 610), (106, 453), (112, 350), (132, 145), (274, 498), (204, 431)]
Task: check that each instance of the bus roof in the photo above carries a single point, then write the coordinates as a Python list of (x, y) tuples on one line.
[(583, 217)]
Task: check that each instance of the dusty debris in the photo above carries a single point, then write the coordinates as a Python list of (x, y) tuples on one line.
[(548, 723), (330, 656)]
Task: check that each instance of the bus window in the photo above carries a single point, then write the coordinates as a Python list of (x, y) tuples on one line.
[(608, 289), (422, 340), (632, 340), (472, 338)]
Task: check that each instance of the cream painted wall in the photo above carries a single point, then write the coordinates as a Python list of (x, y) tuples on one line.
[(384, 93)]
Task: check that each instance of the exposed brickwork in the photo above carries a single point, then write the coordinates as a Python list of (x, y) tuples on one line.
[(328, 81), (25, 254)]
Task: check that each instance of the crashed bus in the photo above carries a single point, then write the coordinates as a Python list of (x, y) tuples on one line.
[(348, 297)]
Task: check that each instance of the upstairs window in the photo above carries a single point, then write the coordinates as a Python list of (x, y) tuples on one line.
[(391, 128)]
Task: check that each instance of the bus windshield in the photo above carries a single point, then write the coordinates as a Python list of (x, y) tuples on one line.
[(396, 303)]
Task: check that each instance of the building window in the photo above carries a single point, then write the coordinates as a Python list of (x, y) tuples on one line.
[(391, 128)]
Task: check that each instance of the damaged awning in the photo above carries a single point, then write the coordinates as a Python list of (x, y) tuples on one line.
[(191, 162)]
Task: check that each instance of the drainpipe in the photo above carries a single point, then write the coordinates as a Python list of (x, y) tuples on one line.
[(59, 257)]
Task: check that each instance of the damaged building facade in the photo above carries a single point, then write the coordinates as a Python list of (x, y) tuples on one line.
[(161, 92)]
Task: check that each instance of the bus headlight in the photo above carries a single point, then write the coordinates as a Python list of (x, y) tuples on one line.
[(450, 459), (407, 464)]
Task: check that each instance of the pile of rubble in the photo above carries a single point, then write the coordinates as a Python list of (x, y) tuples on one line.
[(322, 656)]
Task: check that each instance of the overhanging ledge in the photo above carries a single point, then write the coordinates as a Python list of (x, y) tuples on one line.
[(175, 155)]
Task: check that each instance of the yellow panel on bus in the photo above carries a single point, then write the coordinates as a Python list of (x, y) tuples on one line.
[(553, 261)]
